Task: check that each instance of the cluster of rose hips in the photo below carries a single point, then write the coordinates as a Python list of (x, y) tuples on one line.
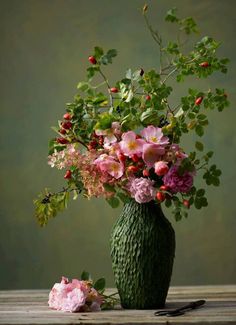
[(65, 126), (97, 141)]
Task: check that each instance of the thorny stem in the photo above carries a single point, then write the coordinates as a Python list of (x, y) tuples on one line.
[(108, 86)]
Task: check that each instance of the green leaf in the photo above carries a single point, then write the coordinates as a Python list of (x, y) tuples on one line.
[(113, 202), (107, 58), (83, 85), (100, 284), (123, 197), (199, 130), (199, 146), (85, 276), (168, 203), (171, 15), (200, 192), (109, 187), (98, 51)]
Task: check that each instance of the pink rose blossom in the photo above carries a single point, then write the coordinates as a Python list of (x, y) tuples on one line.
[(74, 296), (109, 165), (152, 153), (178, 183), (141, 189), (161, 168), (130, 145), (154, 135)]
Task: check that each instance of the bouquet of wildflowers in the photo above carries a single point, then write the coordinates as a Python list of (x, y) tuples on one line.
[(123, 141)]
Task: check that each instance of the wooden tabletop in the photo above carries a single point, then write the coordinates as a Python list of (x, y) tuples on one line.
[(30, 307)]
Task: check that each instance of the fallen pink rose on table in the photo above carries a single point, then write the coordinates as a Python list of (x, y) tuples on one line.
[(74, 296)]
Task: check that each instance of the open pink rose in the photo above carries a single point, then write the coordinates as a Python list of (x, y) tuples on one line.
[(108, 164), (154, 135), (74, 296), (130, 145)]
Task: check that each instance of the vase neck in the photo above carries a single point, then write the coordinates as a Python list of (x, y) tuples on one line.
[(150, 207)]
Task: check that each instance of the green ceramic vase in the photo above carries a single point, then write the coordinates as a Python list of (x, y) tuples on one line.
[(142, 252)]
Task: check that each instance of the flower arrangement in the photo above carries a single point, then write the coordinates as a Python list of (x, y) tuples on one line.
[(123, 141)]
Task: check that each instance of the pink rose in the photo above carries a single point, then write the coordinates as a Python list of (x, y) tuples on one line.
[(74, 296)]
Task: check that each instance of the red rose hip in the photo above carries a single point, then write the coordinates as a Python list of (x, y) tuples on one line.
[(160, 196), (146, 173), (62, 140), (133, 169), (62, 131), (164, 188), (92, 59), (114, 90), (67, 174), (199, 100), (67, 116), (66, 125), (204, 64), (186, 203)]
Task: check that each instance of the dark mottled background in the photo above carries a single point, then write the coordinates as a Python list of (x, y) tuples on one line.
[(44, 50)]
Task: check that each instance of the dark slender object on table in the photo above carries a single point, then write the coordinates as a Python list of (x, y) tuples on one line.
[(181, 310)]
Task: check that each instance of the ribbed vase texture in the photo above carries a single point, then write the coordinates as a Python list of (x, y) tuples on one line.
[(142, 252)]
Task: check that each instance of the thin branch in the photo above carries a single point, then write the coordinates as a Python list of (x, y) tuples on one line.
[(108, 86), (169, 74)]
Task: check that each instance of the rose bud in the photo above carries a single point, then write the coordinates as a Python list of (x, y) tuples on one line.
[(114, 90), (160, 196), (92, 59), (67, 174), (198, 100), (161, 168), (67, 116)]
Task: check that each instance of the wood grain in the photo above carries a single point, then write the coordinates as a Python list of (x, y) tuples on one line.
[(30, 307)]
